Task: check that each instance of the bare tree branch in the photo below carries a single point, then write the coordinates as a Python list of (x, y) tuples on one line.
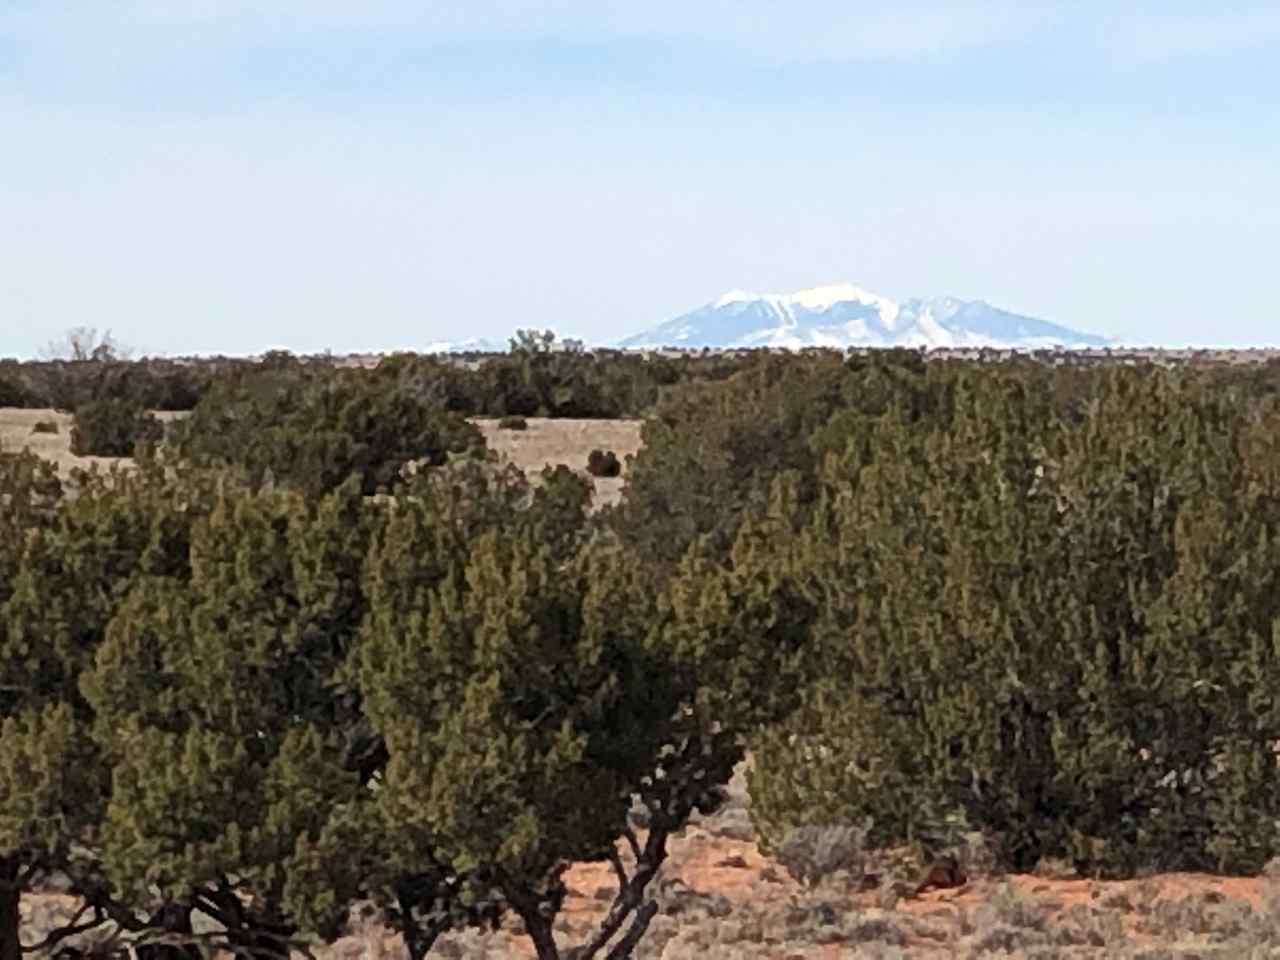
[(619, 870), (81, 344), (281, 947), (71, 929), (639, 925), (630, 899), (632, 842), (252, 940)]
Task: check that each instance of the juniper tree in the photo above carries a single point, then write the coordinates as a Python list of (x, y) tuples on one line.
[(522, 702), (62, 566), (313, 428), (913, 556), (1170, 528), (1062, 632), (712, 449), (224, 698), (218, 705), (113, 426), (531, 686)]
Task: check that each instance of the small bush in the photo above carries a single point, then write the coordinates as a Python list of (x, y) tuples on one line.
[(111, 427), (513, 423), (1055, 868), (811, 853), (603, 463), (732, 824), (1009, 908), (45, 426), (1083, 926), (11, 393)]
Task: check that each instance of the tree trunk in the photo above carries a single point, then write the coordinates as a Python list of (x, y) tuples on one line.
[(173, 918), (639, 926), (540, 932), (10, 901), (418, 940)]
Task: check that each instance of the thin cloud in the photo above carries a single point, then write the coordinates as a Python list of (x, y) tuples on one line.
[(760, 30), (1163, 38), (754, 31)]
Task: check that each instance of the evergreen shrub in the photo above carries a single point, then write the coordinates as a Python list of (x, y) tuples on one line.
[(112, 427), (602, 463), (11, 393), (312, 430), (1059, 630), (811, 853)]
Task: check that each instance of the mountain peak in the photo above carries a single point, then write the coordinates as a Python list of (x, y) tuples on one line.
[(828, 295), (844, 315), (815, 298), (735, 296)]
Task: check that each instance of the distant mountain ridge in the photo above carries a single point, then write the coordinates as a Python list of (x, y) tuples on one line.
[(471, 345), (844, 315)]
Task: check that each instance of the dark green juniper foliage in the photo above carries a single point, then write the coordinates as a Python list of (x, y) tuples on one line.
[(1038, 602), (12, 392), (62, 564), (216, 704), (1064, 630), (68, 384), (113, 426), (551, 375), (311, 428), (602, 463), (712, 449), (539, 378), (912, 554), (513, 679), (1171, 526), (505, 701)]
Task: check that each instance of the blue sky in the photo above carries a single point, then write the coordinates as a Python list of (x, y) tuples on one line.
[(204, 176)]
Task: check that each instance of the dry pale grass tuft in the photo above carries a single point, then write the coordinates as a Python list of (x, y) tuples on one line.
[(722, 900)]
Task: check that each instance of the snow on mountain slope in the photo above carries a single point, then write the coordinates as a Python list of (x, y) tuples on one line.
[(472, 345), (844, 315)]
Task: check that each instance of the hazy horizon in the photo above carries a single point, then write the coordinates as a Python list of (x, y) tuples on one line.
[(206, 177)]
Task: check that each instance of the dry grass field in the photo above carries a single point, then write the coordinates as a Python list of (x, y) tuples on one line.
[(18, 432), (721, 898), (550, 442)]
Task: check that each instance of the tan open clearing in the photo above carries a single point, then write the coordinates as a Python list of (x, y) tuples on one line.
[(17, 432), (550, 442)]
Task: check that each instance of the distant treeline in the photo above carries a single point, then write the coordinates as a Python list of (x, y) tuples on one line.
[(539, 376), (273, 674)]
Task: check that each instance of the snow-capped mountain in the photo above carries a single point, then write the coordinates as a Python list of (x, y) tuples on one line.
[(471, 345), (844, 315)]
